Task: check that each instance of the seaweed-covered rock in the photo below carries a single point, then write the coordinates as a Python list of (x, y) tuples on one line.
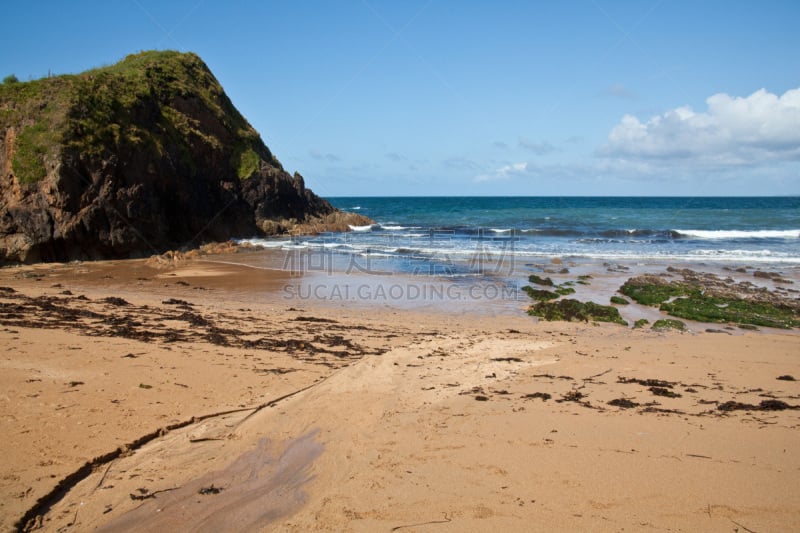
[(704, 308), (561, 290), (573, 310), (669, 323), (652, 290), (704, 297), (539, 294), (538, 280)]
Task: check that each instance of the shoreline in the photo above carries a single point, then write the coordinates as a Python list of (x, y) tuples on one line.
[(511, 415)]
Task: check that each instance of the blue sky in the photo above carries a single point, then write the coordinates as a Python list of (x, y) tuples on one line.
[(428, 97)]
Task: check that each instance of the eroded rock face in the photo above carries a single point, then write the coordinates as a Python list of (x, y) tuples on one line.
[(134, 159)]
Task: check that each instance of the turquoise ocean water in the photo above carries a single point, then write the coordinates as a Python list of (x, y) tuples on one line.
[(458, 235)]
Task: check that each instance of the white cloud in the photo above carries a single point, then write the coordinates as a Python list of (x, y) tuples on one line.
[(762, 127), (504, 172)]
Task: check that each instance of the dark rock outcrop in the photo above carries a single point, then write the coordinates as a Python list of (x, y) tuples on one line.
[(134, 159)]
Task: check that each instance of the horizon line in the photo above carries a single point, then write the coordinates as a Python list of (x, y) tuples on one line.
[(559, 196)]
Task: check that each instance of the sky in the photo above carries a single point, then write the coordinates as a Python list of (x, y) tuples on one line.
[(434, 97)]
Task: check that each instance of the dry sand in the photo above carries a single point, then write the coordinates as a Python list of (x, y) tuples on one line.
[(196, 397)]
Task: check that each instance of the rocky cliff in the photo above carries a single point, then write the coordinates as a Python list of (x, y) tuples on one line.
[(134, 159)]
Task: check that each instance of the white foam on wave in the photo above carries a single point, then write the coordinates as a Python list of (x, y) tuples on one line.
[(265, 243), (375, 254), (368, 227), (393, 228), (500, 230), (705, 256), (459, 254), (740, 234)]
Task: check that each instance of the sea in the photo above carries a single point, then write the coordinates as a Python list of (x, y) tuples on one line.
[(447, 248), (458, 235)]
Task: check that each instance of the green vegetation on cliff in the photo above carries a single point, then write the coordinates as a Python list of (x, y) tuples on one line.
[(136, 158), (146, 102), (34, 113)]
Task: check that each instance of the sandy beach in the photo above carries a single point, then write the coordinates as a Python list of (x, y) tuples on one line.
[(204, 395)]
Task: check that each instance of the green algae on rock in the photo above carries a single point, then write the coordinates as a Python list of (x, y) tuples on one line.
[(652, 290), (707, 298), (538, 280), (539, 294), (561, 290), (703, 308), (573, 310), (668, 323)]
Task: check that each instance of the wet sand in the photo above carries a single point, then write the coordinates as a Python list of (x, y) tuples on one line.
[(147, 393)]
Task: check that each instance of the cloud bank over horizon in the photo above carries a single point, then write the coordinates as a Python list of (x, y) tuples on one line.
[(685, 148), (760, 128)]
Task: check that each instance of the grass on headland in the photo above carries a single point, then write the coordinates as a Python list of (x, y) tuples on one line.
[(155, 102)]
